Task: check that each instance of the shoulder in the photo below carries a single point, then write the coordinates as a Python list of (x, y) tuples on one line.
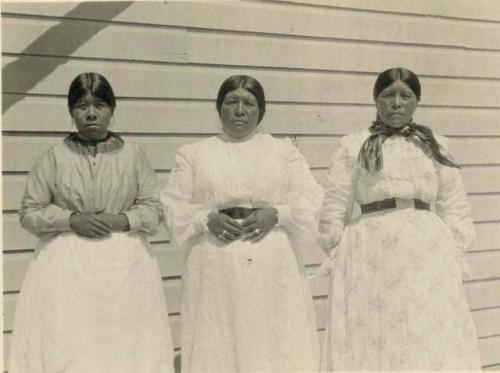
[(51, 158), (56, 152), (193, 147), (190, 151), (351, 143)]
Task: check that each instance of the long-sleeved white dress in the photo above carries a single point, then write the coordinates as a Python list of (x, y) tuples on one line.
[(246, 306), (91, 305), (396, 296)]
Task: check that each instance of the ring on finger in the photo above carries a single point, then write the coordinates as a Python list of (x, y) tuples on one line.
[(257, 230)]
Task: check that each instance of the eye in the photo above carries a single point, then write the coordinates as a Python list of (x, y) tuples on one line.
[(101, 105), (81, 106), (230, 101), (250, 103)]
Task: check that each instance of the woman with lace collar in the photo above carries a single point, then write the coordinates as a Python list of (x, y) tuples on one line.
[(92, 300), (396, 299)]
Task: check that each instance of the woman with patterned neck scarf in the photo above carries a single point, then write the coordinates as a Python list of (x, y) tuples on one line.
[(396, 299), (92, 300), (244, 205)]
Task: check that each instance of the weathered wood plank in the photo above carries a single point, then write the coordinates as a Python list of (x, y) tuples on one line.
[(285, 19), (473, 10), (489, 348), (112, 42), (335, 55), (483, 294), (196, 82), (92, 39), (33, 113)]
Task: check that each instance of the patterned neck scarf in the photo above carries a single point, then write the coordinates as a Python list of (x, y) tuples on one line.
[(370, 155)]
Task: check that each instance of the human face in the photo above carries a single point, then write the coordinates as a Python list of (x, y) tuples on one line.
[(239, 113), (92, 117), (396, 104)]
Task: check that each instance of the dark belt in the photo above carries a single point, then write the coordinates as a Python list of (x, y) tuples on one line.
[(238, 212), (391, 203)]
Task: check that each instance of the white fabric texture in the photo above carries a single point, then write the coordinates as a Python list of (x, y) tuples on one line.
[(91, 305), (396, 298), (246, 306)]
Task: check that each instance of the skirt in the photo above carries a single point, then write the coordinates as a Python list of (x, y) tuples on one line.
[(92, 306), (247, 307), (396, 297)]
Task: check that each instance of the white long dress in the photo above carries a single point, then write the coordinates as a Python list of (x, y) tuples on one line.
[(246, 306), (396, 296), (91, 305)]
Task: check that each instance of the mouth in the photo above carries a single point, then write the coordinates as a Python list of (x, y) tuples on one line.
[(398, 114)]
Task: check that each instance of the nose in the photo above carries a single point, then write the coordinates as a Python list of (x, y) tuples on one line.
[(91, 113), (397, 101), (239, 108)]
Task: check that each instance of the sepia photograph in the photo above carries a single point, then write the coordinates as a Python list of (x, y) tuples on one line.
[(250, 186)]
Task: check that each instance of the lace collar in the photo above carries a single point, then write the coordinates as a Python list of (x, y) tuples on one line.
[(110, 143)]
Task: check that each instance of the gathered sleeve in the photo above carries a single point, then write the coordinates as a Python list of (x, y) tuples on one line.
[(185, 219), (300, 207), (146, 212), (38, 213), (340, 187), (452, 205)]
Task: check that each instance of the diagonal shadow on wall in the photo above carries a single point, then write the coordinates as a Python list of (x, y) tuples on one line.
[(63, 39)]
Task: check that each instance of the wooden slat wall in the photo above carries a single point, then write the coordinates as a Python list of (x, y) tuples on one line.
[(317, 61)]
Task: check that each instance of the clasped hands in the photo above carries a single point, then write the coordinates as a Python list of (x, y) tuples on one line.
[(98, 225), (253, 228)]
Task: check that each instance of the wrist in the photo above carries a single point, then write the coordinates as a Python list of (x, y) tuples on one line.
[(71, 218), (121, 223), (275, 213)]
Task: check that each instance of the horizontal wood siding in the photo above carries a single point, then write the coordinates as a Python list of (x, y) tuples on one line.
[(317, 61)]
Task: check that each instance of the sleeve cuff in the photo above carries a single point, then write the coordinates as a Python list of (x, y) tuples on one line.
[(202, 220), (133, 220), (284, 215), (62, 221)]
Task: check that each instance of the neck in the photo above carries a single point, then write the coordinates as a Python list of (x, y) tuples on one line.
[(226, 136), (102, 138)]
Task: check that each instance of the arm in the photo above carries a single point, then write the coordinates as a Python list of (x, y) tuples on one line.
[(146, 212), (185, 219), (38, 214), (300, 207), (452, 206), (339, 197)]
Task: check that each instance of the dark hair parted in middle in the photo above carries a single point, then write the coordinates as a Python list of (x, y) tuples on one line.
[(389, 76), (249, 83), (91, 84)]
